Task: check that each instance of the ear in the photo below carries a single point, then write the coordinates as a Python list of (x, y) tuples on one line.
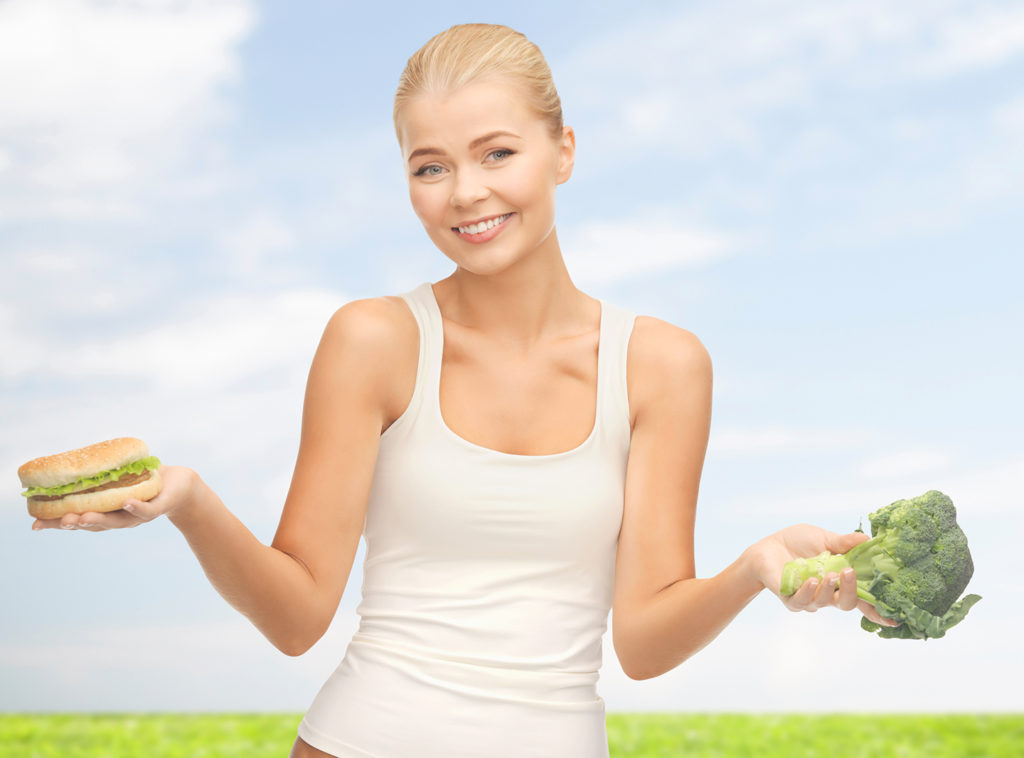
[(566, 154)]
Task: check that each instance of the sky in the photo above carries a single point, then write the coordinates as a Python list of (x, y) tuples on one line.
[(828, 195)]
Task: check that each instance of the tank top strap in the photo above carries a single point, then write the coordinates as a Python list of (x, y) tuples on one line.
[(613, 398), (422, 304)]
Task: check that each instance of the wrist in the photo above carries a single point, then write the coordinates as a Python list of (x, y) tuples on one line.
[(188, 499), (752, 563)]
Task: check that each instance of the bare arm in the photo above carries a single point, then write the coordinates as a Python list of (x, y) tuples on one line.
[(662, 613), (290, 589)]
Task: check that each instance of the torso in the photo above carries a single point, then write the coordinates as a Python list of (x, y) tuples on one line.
[(535, 404)]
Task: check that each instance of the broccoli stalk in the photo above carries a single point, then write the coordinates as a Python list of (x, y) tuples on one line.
[(912, 569)]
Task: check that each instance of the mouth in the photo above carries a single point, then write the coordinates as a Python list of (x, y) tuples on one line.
[(483, 229)]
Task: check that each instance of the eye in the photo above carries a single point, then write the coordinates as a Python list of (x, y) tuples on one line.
[(500, 154), (431, 169)]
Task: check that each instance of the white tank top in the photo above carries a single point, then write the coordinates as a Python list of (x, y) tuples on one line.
[(487, 582)]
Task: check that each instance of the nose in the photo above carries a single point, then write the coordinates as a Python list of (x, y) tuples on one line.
[(468, 188)]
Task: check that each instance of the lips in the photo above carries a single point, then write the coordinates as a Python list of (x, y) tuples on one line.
[(483, 229)]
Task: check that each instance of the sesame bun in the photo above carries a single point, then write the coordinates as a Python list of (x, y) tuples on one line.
[(54, 470), (65, 468)]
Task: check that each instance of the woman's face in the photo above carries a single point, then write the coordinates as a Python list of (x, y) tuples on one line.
[(482, 169)]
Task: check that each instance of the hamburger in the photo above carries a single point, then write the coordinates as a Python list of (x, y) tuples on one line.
[(97, 478)]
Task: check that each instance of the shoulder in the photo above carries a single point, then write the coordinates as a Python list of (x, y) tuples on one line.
[(370, 335), (370, 321), (374, 341), (658, 344), (664, 358)]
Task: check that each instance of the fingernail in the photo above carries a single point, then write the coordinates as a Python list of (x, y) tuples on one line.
[(833, 581), (129, 507), (36, 527), (67, 526)]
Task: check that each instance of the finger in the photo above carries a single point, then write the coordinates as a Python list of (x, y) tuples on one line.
[(803, 598), (826, 594), (873, 615), (97, 522), (92, 521), (142, 510), (847, 596), (841, 543)]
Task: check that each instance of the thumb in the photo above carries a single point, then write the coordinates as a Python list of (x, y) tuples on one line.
[(840, 543), (141, 509)]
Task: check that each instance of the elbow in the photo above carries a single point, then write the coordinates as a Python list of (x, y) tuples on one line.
[(294, 648), (639, 674), (639, 662), (634, 665), (298, 641), (639, 668)]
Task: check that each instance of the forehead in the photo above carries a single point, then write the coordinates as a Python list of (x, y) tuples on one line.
[(453, 118)]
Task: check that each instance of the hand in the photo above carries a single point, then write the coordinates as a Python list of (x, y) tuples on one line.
[(178, 490), (804, 541)]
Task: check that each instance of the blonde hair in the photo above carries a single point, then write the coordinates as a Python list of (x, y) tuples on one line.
[(467, 52)]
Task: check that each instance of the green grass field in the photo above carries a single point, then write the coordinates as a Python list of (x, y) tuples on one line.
[(629, 736)]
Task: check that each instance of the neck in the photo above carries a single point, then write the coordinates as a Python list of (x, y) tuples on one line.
[(526, 304)]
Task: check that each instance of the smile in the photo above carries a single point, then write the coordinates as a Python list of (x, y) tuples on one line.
[(482, 226)]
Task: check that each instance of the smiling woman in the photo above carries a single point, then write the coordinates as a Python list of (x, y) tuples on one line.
[(480, 433)]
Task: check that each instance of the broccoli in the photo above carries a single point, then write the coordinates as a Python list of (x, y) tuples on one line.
[(912, 569)]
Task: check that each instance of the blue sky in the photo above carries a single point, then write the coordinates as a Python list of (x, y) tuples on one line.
[(828, 195)]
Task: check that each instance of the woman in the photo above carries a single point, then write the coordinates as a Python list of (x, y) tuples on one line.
[(511, 484)]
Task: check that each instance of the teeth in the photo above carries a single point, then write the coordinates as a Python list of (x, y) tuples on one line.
[(483, 226)]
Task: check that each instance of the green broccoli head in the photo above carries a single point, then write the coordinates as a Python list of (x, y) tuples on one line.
[(912, 569)]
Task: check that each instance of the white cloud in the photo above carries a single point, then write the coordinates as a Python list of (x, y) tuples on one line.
[(993, 488), (114, 667), (904, 463), (600, 252), (254, 245), (117, 91), (980, 37), (756, 440), (220, 342), (674, 83)]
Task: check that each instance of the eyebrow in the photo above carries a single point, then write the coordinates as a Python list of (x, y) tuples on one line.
[(474, 144)]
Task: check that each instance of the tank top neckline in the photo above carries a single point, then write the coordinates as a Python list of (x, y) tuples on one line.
[(435, 388)]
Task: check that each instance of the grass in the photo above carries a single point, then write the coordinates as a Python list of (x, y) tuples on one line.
[(629, 736)]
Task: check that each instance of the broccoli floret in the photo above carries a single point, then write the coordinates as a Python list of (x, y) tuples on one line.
[(912, 569)]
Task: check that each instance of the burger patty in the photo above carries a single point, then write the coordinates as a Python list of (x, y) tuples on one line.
[(124, 481)]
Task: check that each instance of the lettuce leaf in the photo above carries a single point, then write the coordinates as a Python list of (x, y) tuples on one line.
[(150, 463)]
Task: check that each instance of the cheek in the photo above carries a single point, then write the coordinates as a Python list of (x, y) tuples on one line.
[(522, 187), (425, 202)]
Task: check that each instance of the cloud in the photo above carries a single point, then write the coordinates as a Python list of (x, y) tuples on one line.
[(102, 668), (600, 252), (904, 463), (218, 343), (255, 246), (992, 489), (700, 80), (759, 440), (117, 93), (221, 342), (979, 38)]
